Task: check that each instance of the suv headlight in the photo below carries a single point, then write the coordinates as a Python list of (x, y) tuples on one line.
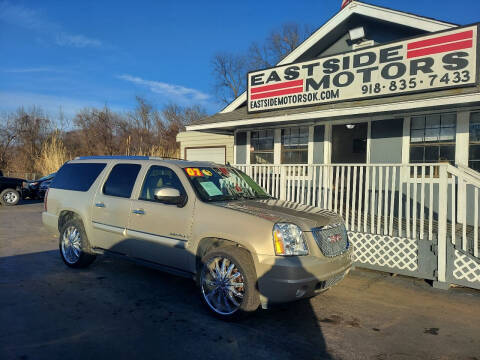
[(288, 240)]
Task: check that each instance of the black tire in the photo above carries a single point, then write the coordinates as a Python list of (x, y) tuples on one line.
[(244, 265), (82, 245), (9, 197)]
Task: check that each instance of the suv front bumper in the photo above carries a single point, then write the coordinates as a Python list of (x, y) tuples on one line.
[(283, 279)]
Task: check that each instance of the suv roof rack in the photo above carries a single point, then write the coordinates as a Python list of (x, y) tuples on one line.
[(118, 157), (126, 157), (165, 158)]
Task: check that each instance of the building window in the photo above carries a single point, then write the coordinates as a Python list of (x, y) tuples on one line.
[(474, 146), (432, 138), (261, 147), (295, 145)]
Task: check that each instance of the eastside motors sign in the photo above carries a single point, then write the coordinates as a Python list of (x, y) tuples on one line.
[(442, 60)]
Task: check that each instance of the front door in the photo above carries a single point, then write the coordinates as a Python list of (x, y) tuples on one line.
[(349, 143), (111, 208), (160, 230)]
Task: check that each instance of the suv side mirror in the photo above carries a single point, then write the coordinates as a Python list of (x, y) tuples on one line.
[(169, 195)]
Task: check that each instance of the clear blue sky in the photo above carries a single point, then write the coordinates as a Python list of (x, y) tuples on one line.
[(87, 53)]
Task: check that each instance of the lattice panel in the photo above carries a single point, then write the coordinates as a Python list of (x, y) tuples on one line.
[(466, 267), (381, 250)]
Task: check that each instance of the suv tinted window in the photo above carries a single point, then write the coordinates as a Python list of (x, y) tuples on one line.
[(158, 177), (77, 176), (121, 180)]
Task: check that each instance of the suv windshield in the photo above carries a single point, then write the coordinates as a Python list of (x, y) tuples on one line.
[(223, 184)]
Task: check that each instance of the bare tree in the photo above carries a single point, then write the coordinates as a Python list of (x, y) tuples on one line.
[(30, 141), (98, 128), (31, 127), (138, 130), (283, 41), (175, 118), (7, 137), (230, 70), (141, 117)]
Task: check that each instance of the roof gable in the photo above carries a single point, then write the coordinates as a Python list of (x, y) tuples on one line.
[(327, 40)]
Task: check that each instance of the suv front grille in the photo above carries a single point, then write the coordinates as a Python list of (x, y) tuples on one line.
[(331, 239)]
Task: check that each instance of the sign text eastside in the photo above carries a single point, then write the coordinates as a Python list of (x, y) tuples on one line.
[(442, 60)]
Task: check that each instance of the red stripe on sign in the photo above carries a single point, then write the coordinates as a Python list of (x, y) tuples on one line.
[(441, 40), (294, 90), (440, 49), (283, 85)]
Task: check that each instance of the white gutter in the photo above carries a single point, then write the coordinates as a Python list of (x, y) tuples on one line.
[(357, 110)]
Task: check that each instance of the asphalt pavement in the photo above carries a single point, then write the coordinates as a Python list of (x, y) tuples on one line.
[(118, 310)]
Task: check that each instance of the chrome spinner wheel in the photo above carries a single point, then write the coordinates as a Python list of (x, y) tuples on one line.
[(222, 285), (71, 245)]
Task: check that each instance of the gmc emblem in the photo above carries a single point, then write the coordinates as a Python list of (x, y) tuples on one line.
[(335, 238)]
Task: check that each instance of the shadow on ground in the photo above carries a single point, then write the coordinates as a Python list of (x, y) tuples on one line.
[(116, 309), (27, 202)]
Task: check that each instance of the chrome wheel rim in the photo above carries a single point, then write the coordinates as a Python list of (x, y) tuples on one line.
[(222, 285), (10, 197), (71, 244)]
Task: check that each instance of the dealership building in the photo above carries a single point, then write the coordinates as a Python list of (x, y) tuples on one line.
[(376, 116)]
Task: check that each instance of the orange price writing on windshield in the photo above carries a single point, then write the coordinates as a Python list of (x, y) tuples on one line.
[(193, 172)]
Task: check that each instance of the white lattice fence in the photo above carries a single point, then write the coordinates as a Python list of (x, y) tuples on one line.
[(385, 251), (466, 268), (399, 216)]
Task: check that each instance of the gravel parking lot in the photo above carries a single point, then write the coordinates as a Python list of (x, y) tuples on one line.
[(118, 310)]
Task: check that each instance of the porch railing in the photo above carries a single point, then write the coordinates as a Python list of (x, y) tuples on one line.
[(436, 202)]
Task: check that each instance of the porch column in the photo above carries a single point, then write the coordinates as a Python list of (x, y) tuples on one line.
[(327, 145), (277, 160), (462, 138), (406, 140), (277, 146), (248, 147), (369, 141), (461, 158), (404, 170), (234, 147), (310, 144)]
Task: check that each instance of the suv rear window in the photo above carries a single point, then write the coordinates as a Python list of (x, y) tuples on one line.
[(77, 176)]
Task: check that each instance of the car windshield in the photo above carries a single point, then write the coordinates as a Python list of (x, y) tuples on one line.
[(223, 184)]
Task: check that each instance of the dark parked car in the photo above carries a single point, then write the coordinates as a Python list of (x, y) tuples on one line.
[(11, 190), (44, 187), (37, 188)]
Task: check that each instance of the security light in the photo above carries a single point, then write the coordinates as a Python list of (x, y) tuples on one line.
[(357, 33), (350, 126)]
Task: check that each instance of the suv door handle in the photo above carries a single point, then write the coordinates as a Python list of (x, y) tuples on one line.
[(100, 204), (139, 211)]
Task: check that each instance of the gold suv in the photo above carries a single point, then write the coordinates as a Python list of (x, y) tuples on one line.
[(206, 221)]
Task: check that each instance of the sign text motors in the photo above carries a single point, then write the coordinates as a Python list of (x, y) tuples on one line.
[(441, 60)]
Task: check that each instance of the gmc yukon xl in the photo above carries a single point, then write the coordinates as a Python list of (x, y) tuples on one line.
[(207, 221)]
